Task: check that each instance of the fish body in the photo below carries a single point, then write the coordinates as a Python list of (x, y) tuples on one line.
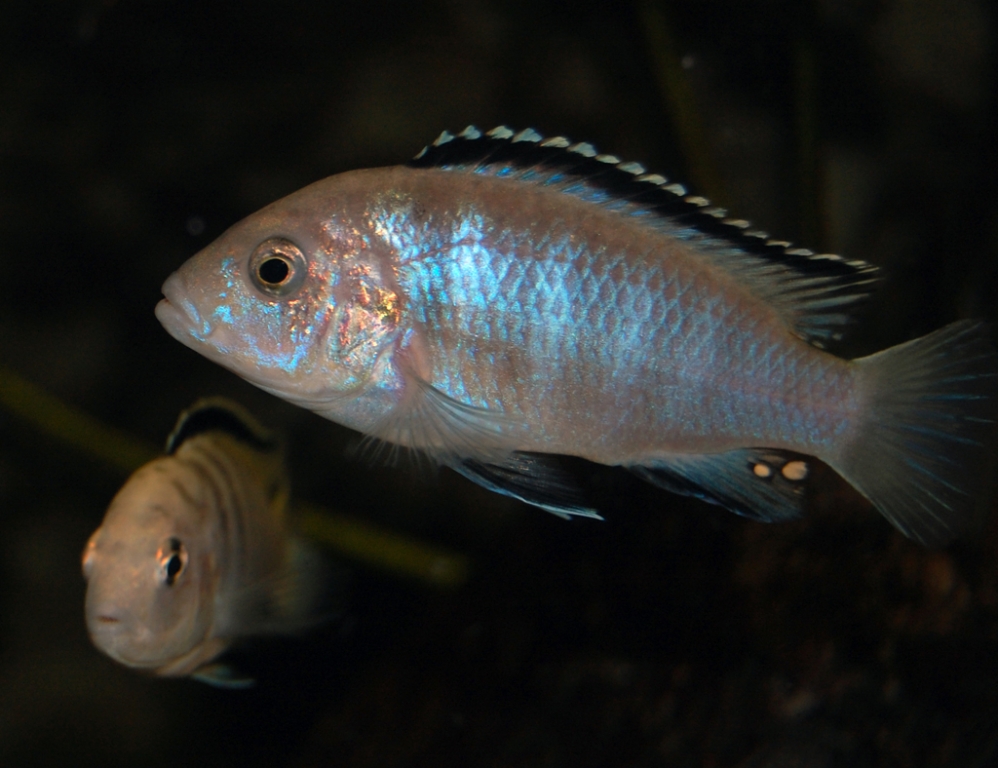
[(505, 297), (194, 551)]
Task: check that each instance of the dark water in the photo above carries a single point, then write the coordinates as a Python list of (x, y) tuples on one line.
[(673, 633)]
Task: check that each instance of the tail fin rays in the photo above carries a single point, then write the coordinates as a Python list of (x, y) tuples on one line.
[(925, 454)]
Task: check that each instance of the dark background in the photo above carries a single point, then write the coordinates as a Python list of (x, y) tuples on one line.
[(134, 132)]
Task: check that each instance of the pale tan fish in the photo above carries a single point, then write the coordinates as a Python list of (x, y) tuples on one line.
[(194, 552)]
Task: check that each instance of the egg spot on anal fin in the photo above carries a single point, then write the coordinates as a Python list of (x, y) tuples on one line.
[(752, 482), (795, 471)]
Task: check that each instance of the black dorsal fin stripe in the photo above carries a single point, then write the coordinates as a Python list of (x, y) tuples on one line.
[(503, 151), (216, 414)]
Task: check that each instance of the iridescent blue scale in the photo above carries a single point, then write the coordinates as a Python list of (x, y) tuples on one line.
[(574, 332)]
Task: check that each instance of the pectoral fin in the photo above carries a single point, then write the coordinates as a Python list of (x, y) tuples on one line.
[(223, 676), (480, 444), (760, 483), (447, 429)]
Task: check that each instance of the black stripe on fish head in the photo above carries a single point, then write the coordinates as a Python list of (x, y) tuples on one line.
[(220, 415)]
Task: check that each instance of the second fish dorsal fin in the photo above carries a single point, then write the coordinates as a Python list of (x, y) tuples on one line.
[(816, 294), (217, 414)]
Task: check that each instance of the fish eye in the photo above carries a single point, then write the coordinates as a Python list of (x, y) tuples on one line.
[(172, 557), (278, 267)]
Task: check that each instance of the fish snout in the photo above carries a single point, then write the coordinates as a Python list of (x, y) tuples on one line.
[(177, 313)]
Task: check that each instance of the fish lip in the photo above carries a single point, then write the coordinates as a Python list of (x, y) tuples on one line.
[(108, 636), (182, 320), (177, 313)]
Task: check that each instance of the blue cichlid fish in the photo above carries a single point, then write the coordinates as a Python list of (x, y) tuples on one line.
[(504, 296), (194, 552)]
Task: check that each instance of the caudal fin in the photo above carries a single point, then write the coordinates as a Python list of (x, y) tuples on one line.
[(925, 454)]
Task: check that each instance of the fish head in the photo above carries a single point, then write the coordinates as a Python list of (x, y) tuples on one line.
[(295, 298), (151, 575)]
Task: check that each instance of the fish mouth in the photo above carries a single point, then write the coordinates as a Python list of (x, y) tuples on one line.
[(182, 320), (115, 638), (126, 641), (178, 315)]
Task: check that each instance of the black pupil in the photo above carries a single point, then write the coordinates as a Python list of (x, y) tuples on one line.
[(173, 566), (274, 271)]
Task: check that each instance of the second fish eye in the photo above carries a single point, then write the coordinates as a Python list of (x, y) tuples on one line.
[(172, 558), (277, 267)]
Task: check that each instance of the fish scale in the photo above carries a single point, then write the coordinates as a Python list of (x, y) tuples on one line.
[(549, 283), (505, 298), (456, 286)]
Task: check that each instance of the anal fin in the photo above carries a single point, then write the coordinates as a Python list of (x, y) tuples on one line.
[(760, 483), (531, 479)]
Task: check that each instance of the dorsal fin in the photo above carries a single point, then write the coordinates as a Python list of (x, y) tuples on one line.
[(216, 414), (815, 293)]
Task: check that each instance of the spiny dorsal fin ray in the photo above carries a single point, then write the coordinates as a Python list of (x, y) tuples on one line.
[(216, 414), (815, 293)]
